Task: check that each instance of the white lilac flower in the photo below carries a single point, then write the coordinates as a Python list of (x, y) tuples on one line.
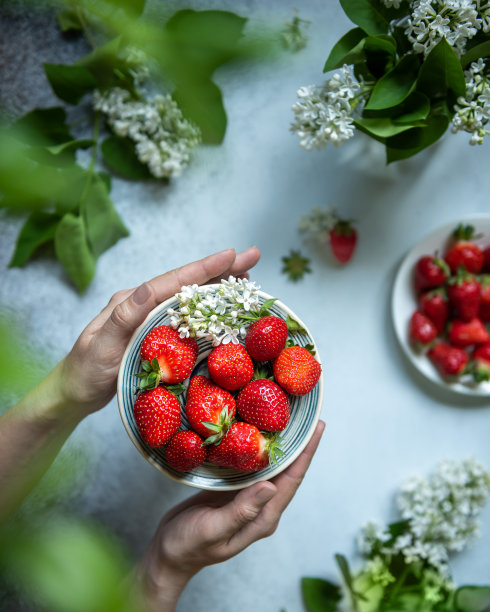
[(163, 138), (392, 3), (432, 20), (372, 536), (483, 9), (216, 313), (318, 223), (326, 113), (472, 112)]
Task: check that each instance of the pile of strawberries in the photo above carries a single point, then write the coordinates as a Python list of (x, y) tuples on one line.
[(454, 308), (237, 413)]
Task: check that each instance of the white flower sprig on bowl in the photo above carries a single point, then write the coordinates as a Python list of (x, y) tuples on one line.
[(219, 313), (406, 564), (408, 70)]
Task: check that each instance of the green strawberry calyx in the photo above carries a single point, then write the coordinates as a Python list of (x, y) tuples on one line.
[(343, 227), (273, 442), (461, 276), (150, 376), (220, 429), (464, 232)]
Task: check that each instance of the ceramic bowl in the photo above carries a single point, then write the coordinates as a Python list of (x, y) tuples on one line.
[(305, 410)]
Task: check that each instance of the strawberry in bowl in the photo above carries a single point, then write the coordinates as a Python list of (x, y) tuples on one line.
[(230, 337)]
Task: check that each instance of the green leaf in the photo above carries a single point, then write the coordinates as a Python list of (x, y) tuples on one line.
[(414, 108), (441, 74), (416, 139), (339, 55), (294, 327), (472, 599), (381, 128), (367, 14), (102, 63), (395, 86), (320, 595), (103, 225), (133, 8), (70, 146), (70, 83), (39, 229), (43, 127), (206, 110), (176, 389), (473, 54), (106, 179), (380, 53), (120, 155), (73, 251), (268, 304), (69, 21)]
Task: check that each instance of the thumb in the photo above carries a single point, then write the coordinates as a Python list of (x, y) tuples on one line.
[(130, 313), (244, 508)]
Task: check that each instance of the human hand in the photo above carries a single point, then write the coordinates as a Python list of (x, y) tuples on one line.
[(211, 527), (89, 371)]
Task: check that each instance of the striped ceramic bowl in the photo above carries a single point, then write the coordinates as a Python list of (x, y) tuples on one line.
[(305, 410)]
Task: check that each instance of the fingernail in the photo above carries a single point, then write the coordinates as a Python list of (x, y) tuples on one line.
[(141, 294), (264, 495)]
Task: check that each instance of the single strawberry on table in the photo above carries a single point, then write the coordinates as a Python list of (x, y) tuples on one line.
[(245, 448), (230, 366), (465, 252), (449, 360), (464, 293), (296, 370), (467, 333), (422, 330), (185, 451), (266, 338), (430, 272), (343, 240), (209, 408), (166, 357), (480, 365), (434, 305), (157, 415), (264, 404)]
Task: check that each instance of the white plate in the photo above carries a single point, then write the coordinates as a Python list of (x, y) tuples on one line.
[(404, 301), (305, 410)]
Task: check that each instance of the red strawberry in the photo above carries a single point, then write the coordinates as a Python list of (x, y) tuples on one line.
[(209, 408), (464, 294), (485, 298), (185, 451), (481, 363), (296, 370), (465, 253), (434, 305), (166, 357), (466, 333), (264, 404), (245, 448), (343, 240), (430, 272), (230, 366), (422, 331), (157, 415), (486, 258), (266, 338), (449, 360)]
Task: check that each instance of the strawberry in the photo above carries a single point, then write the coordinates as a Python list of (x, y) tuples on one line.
[(166, 357), (485, 298), (343, 240), (185, 451), (209, 408), (434, 305), (245, 448), (430, 272), (466, 333), (486, 259), (266, 338), (449, 360), (264, 404), (157, 415), (481, 363), (296, 370), (464, 294), (422, 331), (230, 366), (464, 252)]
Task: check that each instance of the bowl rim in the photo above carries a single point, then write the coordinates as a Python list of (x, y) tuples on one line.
[(220, 487)]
